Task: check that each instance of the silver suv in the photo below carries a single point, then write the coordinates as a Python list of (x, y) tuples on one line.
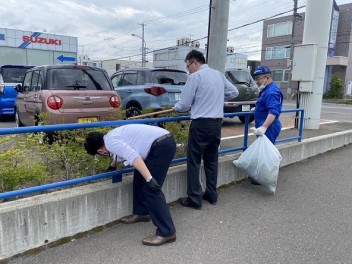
[(248, 92), (143, 88)]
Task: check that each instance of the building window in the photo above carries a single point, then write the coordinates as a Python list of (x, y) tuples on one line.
[(276, 53), (279, 29), (172, 55), (240, 60), (280, 75), (162, 56)]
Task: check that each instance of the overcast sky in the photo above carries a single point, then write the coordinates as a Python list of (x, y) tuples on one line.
[(104, 27)]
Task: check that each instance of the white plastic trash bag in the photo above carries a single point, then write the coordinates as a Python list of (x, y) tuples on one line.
[(261, 161)]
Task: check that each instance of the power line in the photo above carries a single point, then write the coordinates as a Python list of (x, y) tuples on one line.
[(263, 19), (231, 29)]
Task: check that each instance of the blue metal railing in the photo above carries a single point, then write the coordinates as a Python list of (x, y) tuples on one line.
[(117, 175)]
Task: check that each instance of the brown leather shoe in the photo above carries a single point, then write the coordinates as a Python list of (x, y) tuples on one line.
[(158, 240), (131, 219)]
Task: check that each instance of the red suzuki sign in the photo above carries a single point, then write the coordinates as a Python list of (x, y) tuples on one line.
[(41, 40)]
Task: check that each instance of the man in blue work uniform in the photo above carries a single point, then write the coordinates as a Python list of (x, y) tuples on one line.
[(269, 104), (204, 94), (268, 107), (150, 150)]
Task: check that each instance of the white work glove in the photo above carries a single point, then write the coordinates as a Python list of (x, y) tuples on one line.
[(259, 131)]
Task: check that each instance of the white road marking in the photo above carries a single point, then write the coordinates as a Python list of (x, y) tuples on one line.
[(340, 113), (285, 128)]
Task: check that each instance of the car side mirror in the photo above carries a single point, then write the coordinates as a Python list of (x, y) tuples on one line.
[(18, 88)]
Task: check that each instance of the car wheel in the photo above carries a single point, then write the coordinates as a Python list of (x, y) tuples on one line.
[(18, 120), (243, 119), (133, 111)]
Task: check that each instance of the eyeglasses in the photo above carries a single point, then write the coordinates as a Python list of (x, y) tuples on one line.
[(189, 65), (259, 78)]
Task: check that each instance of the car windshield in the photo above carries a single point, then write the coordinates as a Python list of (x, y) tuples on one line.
[(13, 74), (237, 77), (78, 78), (169, 77)]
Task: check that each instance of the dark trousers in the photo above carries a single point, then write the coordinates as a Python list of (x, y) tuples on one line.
[(146, 201), (204, 140)]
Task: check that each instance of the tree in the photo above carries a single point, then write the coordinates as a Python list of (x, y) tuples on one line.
[(337, 88)]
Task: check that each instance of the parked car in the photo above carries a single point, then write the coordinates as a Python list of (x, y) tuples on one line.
[(143, 88), (10, 76), (67, 94), (248, 92)]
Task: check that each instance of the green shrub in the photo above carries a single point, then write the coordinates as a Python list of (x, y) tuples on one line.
[(337, 88), (19, 164), (32, 159)]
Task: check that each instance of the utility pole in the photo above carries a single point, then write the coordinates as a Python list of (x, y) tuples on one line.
[(144, 46), (209, 20), (292, 46), (217, 36), (316, 31), (289, 81)]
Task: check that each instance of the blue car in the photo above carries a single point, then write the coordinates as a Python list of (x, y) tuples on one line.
[(144, 88), (10, 76)]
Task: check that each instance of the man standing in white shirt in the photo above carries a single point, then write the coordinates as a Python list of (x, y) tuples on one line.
[(204, 94), (150, 150)]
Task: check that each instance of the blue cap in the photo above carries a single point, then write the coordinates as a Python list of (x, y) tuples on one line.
[(261, 70)]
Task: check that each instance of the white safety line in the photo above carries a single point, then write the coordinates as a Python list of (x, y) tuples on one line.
[(339, 113), (285, 128)]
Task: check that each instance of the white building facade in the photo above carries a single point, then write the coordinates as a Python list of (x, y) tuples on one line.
[(174, 58), (36, 48)]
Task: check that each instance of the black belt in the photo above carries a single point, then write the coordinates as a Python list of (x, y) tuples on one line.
[(162, 138), (207, 118)]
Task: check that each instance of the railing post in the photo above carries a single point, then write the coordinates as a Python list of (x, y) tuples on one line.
[(117, 177), (245, 133), (300, 132)]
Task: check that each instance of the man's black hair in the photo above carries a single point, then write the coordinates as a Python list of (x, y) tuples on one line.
[(94, 141), (195, 55)]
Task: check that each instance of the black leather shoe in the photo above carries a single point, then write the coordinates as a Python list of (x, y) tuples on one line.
[(187, 203), (207, 198), (158, 240), (254, 182), (131, 219)]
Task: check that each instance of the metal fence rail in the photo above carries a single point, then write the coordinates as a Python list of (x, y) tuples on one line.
[(117, 175)]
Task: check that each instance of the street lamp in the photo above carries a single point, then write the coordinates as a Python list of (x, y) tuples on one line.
[(143, 48)]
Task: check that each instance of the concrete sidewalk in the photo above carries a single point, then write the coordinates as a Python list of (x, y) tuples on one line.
[(308, 220)]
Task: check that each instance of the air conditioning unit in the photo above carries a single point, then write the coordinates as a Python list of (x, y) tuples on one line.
[(195, 43), (186, 41), (230, 49)]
